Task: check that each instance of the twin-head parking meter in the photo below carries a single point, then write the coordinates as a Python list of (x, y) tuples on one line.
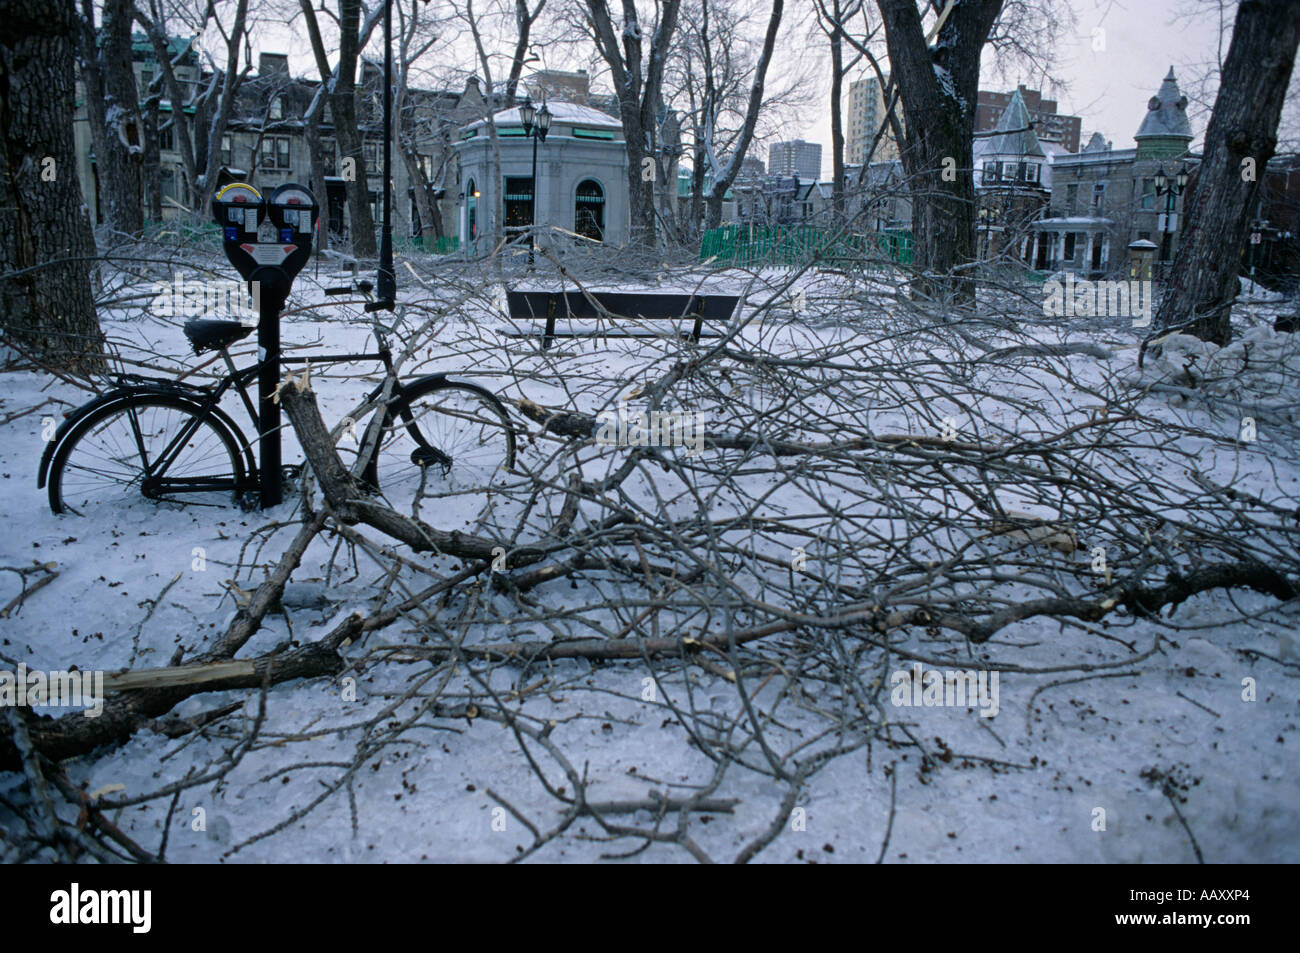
[(268, 242)]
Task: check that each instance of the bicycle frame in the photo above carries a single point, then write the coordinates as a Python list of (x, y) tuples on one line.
[(207, 399)]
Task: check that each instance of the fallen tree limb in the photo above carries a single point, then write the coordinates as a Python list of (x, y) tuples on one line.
[(72, 735), (349, 502)]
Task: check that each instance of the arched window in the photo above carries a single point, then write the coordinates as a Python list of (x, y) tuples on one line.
[(471, 205), (589, 210)]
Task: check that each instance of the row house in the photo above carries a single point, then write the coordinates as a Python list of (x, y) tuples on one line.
[(266, 141)]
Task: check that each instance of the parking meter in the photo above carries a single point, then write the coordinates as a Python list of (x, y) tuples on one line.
[(268, 241)]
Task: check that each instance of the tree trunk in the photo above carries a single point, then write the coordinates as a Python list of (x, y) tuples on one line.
[(318, 184), (837, 118), (524, 20), (939, 86), (182, 131), (152, 178), (344, 101), (120, 165), (1242, 127), (425, 207), (637, 99), (47, 311), (218, 120)]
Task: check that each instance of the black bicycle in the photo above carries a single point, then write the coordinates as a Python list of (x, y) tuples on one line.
[(165, 440)]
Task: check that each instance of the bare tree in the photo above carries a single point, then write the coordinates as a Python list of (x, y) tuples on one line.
[(525, 19), (198, 136), (638, 76), (1239, 142), (416, 128), (343, 101), (725, 172), (837, 19)]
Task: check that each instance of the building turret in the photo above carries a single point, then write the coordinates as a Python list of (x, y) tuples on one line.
[(1165, 132)]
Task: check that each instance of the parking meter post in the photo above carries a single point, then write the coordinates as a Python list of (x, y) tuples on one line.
[(268, 424), (268, 242)]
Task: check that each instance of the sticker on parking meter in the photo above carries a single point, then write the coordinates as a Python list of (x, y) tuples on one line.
[(270, 254)]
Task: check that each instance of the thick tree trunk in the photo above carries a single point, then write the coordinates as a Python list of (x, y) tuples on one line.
[(47, 311), (1243, 127), (425, 207), (120, 165), (152, 178), (939, 86), (344, 102)]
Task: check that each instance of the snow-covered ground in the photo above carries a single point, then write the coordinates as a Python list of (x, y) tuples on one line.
[(1025, 785)]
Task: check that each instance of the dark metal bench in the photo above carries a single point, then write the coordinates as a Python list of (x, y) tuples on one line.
[(650, 306)]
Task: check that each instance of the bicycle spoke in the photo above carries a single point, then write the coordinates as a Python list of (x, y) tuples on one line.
[(147, 448)]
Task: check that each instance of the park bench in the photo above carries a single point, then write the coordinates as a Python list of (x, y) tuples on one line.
[(602, 306)]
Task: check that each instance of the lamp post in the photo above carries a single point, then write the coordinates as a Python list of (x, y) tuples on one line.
[(536, 125), (1171, 191)]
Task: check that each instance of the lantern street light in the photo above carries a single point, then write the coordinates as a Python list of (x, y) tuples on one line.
[(1171, 191), (536, 125)]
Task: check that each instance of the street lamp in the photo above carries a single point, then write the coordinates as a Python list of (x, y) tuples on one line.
[(1171, 191), (536, 125)]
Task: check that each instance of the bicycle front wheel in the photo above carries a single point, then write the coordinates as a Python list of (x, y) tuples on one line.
[(443, 438), (145, 446)]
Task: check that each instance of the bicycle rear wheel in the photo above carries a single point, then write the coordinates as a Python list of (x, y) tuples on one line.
[(443, 438), (145, 446)]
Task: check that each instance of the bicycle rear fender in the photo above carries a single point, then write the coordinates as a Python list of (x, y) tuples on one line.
[(421, 382), (70, 421)]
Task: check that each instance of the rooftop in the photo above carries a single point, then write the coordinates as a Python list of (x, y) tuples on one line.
[(1166, 112), (1015, 131), (571, 113)]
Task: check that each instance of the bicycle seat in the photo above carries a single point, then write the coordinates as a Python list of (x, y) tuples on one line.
[(207, 334)]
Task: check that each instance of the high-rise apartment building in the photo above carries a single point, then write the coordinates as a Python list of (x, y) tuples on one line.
[(797, 157), (1049, 125), (866, 114)]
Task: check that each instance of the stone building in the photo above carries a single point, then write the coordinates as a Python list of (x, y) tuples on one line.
[(1010, 171), (1103, 199), (581, 177), (265, 141)]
